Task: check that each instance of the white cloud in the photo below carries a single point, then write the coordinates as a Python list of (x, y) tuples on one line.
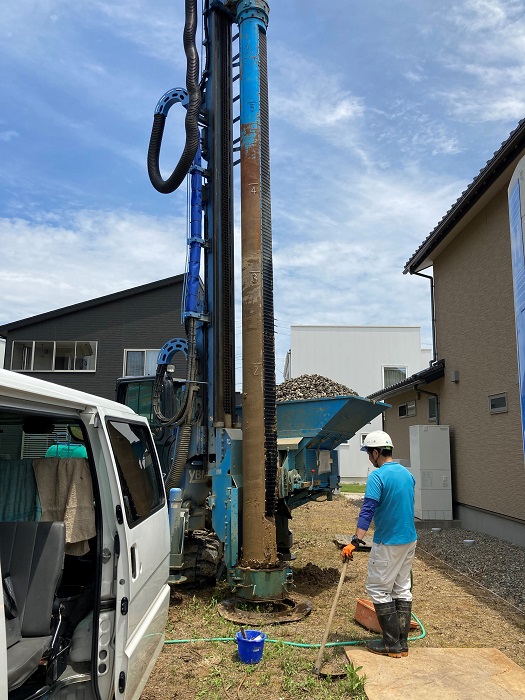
[(339, 256), (309, 98), (486, 52), (415, 132), (67, 257), (150, 28)]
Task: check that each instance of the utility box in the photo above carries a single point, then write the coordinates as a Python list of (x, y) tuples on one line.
[(430, 465)]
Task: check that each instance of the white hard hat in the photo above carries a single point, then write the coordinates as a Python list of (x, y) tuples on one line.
[(377, 439)]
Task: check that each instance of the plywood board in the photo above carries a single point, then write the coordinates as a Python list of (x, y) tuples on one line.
[(440, 674)]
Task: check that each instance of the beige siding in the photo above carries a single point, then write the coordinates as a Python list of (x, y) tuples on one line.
[(476, 336), (398, 428)]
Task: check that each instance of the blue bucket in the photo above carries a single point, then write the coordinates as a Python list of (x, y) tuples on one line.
[(251, 649)]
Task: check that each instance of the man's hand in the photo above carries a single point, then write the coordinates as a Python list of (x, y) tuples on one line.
[(347, 552), (357, 542)]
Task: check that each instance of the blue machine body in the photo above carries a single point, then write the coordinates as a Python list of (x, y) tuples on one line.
[(308, 433)]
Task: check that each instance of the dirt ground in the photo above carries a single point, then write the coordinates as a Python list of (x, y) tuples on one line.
[(453, 609)]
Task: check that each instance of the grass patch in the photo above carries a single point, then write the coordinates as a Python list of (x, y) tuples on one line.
[(352, 488), (212, 670)]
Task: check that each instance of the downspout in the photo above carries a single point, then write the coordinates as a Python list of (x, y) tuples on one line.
[(430, 393), (434, 346)]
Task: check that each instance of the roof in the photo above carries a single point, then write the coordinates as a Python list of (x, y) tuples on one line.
[(425, 376), (501, 163), (18, 386), (116, 296)]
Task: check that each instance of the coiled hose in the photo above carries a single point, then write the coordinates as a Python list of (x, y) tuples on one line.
[(192, 114), (184, 416), (181, 455), (303, 645), (185, 411)]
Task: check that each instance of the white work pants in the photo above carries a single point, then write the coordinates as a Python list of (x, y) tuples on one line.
[(389, 569)]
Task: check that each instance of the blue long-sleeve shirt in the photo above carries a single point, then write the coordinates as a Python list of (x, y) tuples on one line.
[(366, 513)]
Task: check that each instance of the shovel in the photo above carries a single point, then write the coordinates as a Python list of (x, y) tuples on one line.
[(317, 666)]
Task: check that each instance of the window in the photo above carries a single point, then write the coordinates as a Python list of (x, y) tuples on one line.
[(363, 436), (406, 410), (54, 356), (393, 375), (498, 403), (432, 409), (140, 363), (140, 480)]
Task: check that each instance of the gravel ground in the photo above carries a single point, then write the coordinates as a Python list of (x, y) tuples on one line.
[(493, 563)]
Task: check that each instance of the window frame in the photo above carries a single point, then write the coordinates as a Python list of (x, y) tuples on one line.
[(144, 357), (120, 478), (393, 367), (408, 413), (33, 343), (432, 418), (503, 409)]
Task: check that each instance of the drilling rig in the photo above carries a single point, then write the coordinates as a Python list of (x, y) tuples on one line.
[(232, 489)]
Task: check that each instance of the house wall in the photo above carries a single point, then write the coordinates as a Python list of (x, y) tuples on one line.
[(355, 356), (142, 321), (476, 336), (399, 428)]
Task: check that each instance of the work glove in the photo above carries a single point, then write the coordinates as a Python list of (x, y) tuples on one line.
[(348, 552), (355, 543)]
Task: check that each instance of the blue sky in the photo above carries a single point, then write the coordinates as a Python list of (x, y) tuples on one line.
[(380, 114)]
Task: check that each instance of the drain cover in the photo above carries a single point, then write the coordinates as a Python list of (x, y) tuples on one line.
[(270, 612)]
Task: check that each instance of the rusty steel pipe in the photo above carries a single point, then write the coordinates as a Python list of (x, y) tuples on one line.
[(259, 426)]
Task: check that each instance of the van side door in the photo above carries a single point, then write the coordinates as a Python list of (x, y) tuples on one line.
[(143, 593), (3, 652)]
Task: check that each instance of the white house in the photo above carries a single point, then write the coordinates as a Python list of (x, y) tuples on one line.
[(362, 358)]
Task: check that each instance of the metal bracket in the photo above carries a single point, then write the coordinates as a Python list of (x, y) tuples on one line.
[(169, 98)]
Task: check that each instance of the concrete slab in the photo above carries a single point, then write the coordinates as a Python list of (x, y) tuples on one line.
[(440, 674)]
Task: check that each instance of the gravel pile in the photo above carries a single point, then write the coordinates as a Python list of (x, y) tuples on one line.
[(311, 386), (494, 563)]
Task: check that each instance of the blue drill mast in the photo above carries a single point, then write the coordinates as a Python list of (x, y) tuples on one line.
[(232, 489)]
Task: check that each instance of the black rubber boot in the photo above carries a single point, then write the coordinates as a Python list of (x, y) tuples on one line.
[(387, 616), (404, 614)]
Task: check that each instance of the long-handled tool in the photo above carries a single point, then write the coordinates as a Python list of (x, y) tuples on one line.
[(317, 666)]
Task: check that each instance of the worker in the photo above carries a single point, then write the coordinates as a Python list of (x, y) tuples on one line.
[(389, 500)]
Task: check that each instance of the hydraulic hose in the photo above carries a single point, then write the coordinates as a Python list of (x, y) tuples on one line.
[(181, 456), (184, 414), (192, 114), (302, 645)]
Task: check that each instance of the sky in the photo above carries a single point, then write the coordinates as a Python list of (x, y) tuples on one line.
[(381, 113)]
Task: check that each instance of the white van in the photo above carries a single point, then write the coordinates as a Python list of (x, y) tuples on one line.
[(84, 545)]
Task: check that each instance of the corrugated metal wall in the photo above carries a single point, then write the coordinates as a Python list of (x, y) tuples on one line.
[(142, 321)]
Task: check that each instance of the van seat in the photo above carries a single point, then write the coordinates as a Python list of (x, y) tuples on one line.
[(33, 554)]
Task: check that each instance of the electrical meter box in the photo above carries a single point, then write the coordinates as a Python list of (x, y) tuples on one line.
[(430, 465)]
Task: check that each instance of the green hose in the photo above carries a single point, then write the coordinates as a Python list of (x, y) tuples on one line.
[(295, 644)]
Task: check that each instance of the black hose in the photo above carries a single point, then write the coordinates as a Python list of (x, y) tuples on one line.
[(192, 114), (181, 457), (184, 414)]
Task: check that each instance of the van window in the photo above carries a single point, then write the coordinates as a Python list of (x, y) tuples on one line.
[(140, 480)]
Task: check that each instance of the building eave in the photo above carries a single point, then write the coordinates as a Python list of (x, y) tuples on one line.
[(490, 179), (425, 376)]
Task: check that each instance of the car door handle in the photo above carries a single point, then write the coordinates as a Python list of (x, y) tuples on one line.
[(134, 561)]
